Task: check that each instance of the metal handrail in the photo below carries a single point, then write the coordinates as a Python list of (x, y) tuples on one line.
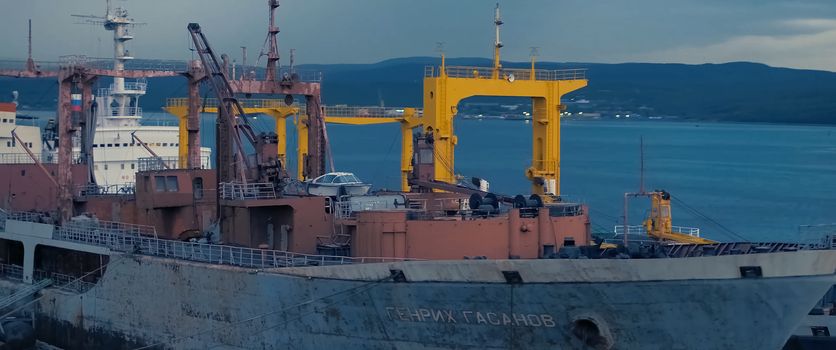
[(246, 103), (93, 190), (104, 227), (23, 158), (364, 111), (506, 73), (691, 231), (207, 253), (631, 229), (241, 191)]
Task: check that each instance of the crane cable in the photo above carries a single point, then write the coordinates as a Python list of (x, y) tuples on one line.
[(709, 219)]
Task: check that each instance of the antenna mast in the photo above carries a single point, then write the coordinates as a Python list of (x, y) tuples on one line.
[(273, 53), (497, 43), (30, 63), (244, 72)]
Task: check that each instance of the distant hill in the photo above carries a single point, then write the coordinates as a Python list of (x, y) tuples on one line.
[(740, 91)]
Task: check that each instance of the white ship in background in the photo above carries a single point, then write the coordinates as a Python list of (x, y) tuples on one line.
[(117, 115), (116, 152)]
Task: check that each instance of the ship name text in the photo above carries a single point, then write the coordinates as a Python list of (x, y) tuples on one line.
[(408, 314)]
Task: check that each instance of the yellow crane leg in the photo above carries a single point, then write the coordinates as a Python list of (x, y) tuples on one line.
[(281, 131), (280, 115), (409, 121), (544, 172), (406, 155), (182, 114)]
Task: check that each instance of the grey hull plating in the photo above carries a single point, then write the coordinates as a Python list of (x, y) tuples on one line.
[(442, 305)]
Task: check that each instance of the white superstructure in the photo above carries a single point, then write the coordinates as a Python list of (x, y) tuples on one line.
[(118, 115), (11, 150)]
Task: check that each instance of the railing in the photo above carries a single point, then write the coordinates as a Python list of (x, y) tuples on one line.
[(93, 190), (24, 158), (60, 281), (12, 272), (691, 231), (364, 111), (23, 216), (132, 86), (346, 208), (94, 226), (21, 65), (173, 162), (631, 230), (155, 163), (245, 102), (284, 73), (107, 63), (124, 112), (239, 191), (207, 253), (64, 282), (641, 230), (506, 73), (822, 236)]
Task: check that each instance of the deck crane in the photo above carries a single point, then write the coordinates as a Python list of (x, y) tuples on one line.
[(232, 122), (150, 151)]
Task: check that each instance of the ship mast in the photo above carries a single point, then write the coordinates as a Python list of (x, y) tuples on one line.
[(117, 21), (30, 63), (273, 52), (497, 43)]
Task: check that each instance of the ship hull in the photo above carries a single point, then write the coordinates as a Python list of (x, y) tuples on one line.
[(145, 300)]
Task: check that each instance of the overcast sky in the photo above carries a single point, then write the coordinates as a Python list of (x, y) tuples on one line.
[(788, 33)]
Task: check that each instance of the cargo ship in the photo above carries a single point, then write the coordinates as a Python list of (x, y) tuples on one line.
[(234, 257)]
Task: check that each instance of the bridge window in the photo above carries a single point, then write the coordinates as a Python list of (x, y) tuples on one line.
[(171, 184), (166, 184), (159, 183)]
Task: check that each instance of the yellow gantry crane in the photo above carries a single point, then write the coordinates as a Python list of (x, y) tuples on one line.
[(179, 107), (278, 110), (446, 86)]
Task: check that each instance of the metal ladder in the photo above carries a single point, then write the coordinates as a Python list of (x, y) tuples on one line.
[(24, 293)]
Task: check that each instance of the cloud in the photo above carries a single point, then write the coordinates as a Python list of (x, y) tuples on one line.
[(810, 45)]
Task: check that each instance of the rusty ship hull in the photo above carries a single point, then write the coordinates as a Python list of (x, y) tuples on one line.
[(685, 303)]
